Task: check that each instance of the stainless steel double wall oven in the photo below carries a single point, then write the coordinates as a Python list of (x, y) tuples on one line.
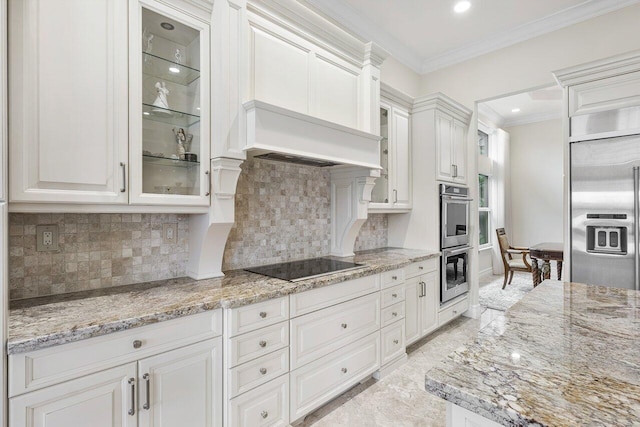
[(454, 241)]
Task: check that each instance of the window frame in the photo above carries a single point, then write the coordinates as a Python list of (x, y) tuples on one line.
[(490, 184)]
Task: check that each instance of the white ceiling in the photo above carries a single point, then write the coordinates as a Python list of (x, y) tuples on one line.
[(535, 106), (428, 34)]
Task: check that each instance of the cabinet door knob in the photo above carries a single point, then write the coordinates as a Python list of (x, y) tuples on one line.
[(137, 344), (263, 314), (344, 326), (394, 295), (344, 370), (263, 344), (263, 371), (420, 268), (394, 277), (395, 341), (264, 414), (394, 314)]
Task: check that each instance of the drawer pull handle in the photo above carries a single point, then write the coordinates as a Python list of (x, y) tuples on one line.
[(344, 326), (263, 371), (394, 295), (263, 314), (147, 379), (132, 408), (137, 344), (344, 370), (394, 277), (394, 314), (263, 344), (264, 414), (395, 341), (420, 268)]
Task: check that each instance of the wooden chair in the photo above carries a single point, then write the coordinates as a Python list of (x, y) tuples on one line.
[(507, 251)]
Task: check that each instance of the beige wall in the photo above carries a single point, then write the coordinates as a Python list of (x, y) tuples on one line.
[(529, 64), (536, 182), (400, 77)]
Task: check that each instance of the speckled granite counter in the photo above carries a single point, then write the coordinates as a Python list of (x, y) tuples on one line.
[(568, 354), (45, 322)]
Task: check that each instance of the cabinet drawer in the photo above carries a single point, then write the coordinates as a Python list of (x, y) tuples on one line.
[(322, 380), (392, 278), (392, 295), (421, 267), (317, 334), (246, 347), (392, 314), (451, 312), (316, 299), (255, 316), (267, 405), (41, 368), (392, 342), (257, 372)]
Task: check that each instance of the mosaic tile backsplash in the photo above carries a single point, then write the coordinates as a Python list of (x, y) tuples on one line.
[(282, 214), (95, 251)]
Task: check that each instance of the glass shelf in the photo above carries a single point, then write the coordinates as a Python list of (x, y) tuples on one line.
[(173, 117), (166, 161), (171, 71)]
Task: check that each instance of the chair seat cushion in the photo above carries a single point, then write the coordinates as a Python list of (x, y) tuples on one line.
[(517, 263)]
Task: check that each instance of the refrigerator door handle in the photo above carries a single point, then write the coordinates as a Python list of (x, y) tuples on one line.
[(636, 212)]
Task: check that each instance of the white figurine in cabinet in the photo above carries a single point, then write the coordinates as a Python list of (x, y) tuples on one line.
[(161, 100)]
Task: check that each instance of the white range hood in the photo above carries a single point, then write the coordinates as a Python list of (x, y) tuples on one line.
[(281, 134)]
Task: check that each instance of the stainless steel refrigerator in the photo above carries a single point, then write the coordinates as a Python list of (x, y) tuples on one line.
[(605, 198)]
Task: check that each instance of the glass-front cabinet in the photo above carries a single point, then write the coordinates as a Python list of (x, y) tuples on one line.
[(169, 106), (380, 192)]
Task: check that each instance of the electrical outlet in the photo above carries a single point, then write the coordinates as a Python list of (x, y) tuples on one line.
[(170, 233), (46, 238)]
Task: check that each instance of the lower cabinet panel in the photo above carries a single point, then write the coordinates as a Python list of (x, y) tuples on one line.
[(392, 341), (322, 380), (266, 405), (99, 400)]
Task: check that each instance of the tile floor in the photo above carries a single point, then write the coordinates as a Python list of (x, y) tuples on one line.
[(399, 400)]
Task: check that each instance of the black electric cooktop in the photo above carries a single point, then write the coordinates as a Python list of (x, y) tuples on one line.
[(305, 269)]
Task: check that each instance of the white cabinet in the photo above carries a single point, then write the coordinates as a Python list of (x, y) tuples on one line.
[(105, 399), (99, 95), (148, 376), (181, 387), (392, 191), (451, 151), (68, 96), (421, 303)]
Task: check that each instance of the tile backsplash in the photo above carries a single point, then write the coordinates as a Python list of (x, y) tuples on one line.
[(282, 214), (95, 251)]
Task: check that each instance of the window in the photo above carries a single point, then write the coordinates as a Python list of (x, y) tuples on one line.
[(483, 144), (484, 210)]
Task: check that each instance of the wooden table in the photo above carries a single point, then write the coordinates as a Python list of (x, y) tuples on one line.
[(548, 251)]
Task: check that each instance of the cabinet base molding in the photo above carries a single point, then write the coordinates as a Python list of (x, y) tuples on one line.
[(384, 371)]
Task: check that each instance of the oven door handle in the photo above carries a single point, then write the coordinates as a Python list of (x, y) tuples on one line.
[(456, 252), (457, 199)]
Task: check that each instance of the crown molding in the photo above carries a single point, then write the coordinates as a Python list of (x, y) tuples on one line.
[(396, 96), (600, 69), (531, 118), (485, 112), (352, 21), (442, 102), (556, 21)]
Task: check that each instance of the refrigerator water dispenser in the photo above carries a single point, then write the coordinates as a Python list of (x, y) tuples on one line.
[(607, 239)]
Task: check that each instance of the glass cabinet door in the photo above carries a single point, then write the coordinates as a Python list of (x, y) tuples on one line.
[(169, 108), (380, 192)]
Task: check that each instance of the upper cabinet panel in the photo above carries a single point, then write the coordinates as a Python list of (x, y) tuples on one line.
[(280, 71), (336, 93), (68, 100)]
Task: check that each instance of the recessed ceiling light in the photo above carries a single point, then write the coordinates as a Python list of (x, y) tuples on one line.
[(167, 26), (174, 69), (462, 6), (515, 110)]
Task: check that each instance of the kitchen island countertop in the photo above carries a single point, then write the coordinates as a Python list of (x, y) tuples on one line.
[(567, 354), (47, 321)]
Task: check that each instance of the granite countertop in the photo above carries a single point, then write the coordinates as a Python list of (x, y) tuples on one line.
[(44, 322), (567, 354)]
